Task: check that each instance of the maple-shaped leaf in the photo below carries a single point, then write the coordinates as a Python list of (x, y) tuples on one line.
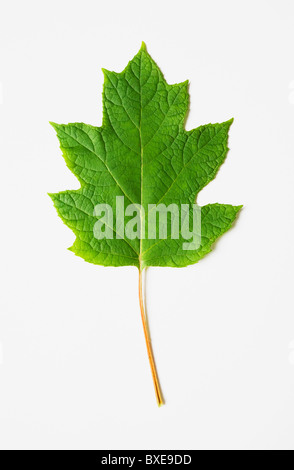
[(141, 164)]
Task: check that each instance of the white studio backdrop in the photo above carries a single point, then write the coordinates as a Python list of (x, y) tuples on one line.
[(74, 372)]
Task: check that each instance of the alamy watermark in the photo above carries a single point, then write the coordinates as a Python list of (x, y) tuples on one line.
[(157, 222)]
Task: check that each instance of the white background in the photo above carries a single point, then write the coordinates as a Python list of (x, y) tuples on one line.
[(73, 365)]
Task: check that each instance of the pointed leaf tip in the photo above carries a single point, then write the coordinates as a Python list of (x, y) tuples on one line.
[(143, 47), (54, 125)]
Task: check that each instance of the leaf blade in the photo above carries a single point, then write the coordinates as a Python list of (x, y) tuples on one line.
[(141, 152)]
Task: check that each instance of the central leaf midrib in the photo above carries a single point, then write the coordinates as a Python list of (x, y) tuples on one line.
[(141, 158)]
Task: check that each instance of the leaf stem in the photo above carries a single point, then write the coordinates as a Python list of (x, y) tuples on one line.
[(159, 397)]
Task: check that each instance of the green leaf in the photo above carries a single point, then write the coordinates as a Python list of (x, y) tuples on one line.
[(141, 152)]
